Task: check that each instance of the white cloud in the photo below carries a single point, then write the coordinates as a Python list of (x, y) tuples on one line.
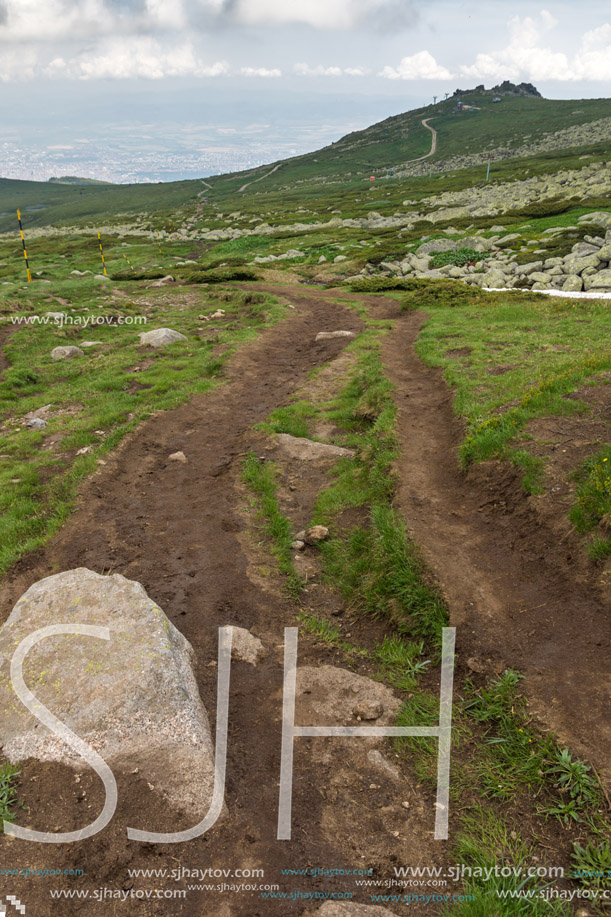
[(526, 57), (322, 14), (420, 66), (130, 58), (306, 70), (261, 72)]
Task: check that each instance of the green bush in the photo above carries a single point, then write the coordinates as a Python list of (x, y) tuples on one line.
[(459, 257)]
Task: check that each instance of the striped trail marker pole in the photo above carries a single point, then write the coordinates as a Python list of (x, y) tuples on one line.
[(102, 255), (128, 261), (159, 242), (25, 254)]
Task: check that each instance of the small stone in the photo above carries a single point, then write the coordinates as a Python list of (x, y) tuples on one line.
[(161, 337), (476, 665), (405, 804), (367, 710), (178, 457), (327, 335), (163, 281), (90, 343), (246, 646), (298, 545), (36, 423), (315, 535), (84, 450), (66, 353)]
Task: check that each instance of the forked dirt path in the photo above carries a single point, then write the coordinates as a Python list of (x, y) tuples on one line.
[(179, 529), (514, 593)]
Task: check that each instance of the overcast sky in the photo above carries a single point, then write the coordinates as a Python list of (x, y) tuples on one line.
[(274, 53)]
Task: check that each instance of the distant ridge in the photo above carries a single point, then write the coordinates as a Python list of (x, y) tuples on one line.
[(75, 180)]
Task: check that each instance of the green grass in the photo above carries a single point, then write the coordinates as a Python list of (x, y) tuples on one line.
[(97, 398), (525, 356), (485, 843), (259, 477), (593, 506), (8, 792)]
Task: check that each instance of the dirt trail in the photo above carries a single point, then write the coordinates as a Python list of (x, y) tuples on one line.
[(514, 592), (432, 151), (261, 177), (179, 530)]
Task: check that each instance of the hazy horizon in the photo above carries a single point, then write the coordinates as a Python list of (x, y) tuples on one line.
[(149, 90)]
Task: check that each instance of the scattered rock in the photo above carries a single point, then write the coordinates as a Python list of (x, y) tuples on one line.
[(178, 457), (90, 343), (380, 763), (36, 423), (55, 316), (246, 646), (66, 353), (339, 258), (163, 281), (368, 711), (476, 665), (133, 698), (316, 534), (327, 335), (161, 337), (298, 545), (307, 450)]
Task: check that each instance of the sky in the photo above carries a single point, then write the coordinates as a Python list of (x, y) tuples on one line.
[(157, 89)]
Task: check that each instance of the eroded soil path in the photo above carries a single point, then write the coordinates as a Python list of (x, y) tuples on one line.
[(180, 530), (515, 592)]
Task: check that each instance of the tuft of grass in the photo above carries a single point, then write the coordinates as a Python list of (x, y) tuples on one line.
[(260, 478), (592, 864), (8, 792), (593, 505), (484, 844)]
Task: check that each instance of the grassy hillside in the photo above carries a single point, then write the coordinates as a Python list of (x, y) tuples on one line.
[(334, 174)]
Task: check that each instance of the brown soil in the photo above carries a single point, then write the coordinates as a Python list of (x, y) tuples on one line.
[(520, 596)]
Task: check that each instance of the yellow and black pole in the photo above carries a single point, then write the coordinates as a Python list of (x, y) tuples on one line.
[(159, 242), (102, 254), (25, 254), (128, 261)]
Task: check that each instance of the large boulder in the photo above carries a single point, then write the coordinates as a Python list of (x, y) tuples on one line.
[(599, 281), (132, 698), (572, 284), (436, 245), (161, 337)]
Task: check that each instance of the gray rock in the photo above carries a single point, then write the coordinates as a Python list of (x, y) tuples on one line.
[(161, 337), (529, 268), (436, 245), (339, 258), (573, 284), (307, 450), (66, 353), (367, 710), (316, 534), (36, 423), (133, 698), (55, 316), (510, 238), (178, 457), (322, 260), (328, 335), (600, 281), (245, 646), (604, 253), (540, 277), (163, 281), (576, 264)]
